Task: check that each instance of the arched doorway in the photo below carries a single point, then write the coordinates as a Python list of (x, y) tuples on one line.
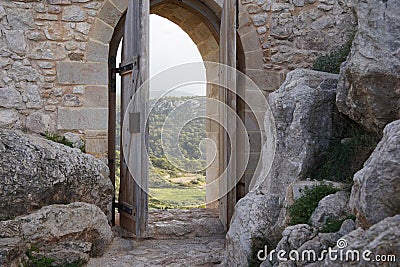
[(202, 24)]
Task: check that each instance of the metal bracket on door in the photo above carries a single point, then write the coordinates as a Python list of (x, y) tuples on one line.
[(128, 67)]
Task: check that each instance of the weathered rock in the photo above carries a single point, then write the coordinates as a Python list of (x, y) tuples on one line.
[(369, 85), (8, 118), (66, 233), (38, 123), (382, 238), (299, 124), (303, 238), (75, 139), (10, 97), (376, 191), (37, 172), (334, 206)]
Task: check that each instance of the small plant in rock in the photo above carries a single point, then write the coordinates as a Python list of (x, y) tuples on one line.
[(331, 62), (36, 260), (62, 140), (333, 225), (303, 207)]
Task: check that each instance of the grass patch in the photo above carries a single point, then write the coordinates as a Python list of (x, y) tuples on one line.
[(303, 207), (331, 62), (346, 153), (62, 140), (333, 225), (171, 198)]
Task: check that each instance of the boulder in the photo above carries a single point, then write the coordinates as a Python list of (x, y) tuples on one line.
[(64, 233), (36, 172), (299, 125), (381, 239), (376, 191), (369, 84), (334, 206), (302, 238)]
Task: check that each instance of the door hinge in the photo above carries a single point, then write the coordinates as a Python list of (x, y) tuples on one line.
[(127, 67), (122, 207)]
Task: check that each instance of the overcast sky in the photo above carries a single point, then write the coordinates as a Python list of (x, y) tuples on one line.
[(171, 46)]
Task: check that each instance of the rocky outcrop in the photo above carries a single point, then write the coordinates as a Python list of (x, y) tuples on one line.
[(334, 206), (301, 238), (65, 233), (376, 191), (36, 172), (381, 239), (369, 85), (299, 124)]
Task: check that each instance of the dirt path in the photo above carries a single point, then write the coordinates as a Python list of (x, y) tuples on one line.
[(177, 238)]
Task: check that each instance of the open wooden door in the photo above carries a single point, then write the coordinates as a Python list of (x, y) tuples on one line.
[(134, 68), (228, 137)]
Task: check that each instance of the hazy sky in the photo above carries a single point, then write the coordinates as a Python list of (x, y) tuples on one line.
[(171, 46)]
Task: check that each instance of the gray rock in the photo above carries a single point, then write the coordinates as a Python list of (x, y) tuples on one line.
[(8, 118), (369, 85), (298, 124), (37, 172), (19, 72), (39, 123), (334, 206), (32, 97), (16, 41), (75, 139), (382, 238), (10, 97), (376, 191), (74, 13), (66, 233)]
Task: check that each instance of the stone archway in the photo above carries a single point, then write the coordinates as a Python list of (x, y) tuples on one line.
[(200, 19)]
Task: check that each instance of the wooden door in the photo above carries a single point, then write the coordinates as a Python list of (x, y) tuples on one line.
[(134, 68), (228, 144)]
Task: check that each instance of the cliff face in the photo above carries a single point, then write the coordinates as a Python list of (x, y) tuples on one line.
[(368, 92)]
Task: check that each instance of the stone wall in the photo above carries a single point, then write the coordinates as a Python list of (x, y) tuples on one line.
[(54, 55)]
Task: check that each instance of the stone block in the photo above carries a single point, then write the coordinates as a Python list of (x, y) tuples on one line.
[(102, 31), (8, 118), (16, 41), (110, 14), (74, 14), (96, 142), (82, 73), (10, 97), (96, 96), (38, 123), (121, 4), (97, 52), (254, 59), (82, 118)]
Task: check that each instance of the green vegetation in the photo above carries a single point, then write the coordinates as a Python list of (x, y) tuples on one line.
[(257, 243), (302, 209), (62, 140), (35, 259), (346, 153), (174, 198), (173, 182), (331, 62), (333, 225)]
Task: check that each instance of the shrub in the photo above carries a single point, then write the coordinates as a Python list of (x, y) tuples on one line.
[(346, 154), (333, 225), (302, 209), (331, 62)]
